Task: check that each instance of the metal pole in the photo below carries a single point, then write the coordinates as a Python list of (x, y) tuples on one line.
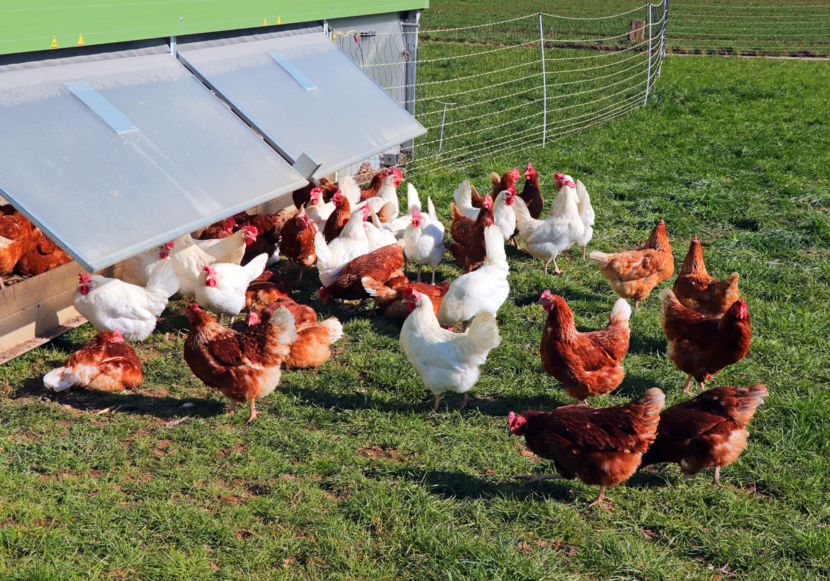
[(544, 83), (648, 73), (409, 28), (443, 117), (663, 37), (173, 50)]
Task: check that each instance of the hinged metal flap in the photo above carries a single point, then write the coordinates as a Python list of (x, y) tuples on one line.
[(347, 118), (169, 158)]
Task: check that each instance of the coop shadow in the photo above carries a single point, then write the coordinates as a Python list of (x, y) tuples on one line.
[(324, 398), (451, 485)]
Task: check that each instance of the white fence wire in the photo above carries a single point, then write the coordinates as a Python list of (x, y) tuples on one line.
[(506, 86)]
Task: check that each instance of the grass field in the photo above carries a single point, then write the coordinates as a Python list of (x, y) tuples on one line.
[(349, 475), (747, 27)]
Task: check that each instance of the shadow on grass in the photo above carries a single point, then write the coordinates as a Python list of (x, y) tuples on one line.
[(459, 485), (162, 407)]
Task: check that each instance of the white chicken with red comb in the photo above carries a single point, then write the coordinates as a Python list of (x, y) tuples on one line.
[(221, 287), (424, 239), (137, 268), (444, 360)]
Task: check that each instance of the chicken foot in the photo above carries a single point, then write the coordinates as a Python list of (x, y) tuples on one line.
[(600, 497), (254, 413), (555, 268), (687, 387), (533, 479)]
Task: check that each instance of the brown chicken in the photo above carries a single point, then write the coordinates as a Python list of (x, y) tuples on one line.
[(18, 236), (261, 294), (311, 348), (633, 274), (708, 430), (244, 366), (276, 279), (587, 364), (303, 195), (468, 235), (269, 228), (699, 345), (499, 184), (382, 264), (303, 314), (600, 446), (45, 256), (377, 181), (390, 296), (219, 230), (106, 363), (297, 240), (337, 219), (696, 290), (531, 194)]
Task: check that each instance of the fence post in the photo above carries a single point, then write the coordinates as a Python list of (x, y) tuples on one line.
[(648, 73), (409, 27), (443, 118), (544, 83), (663, 32)]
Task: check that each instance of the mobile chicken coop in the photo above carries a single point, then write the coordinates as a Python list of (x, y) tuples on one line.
[(124, 124)]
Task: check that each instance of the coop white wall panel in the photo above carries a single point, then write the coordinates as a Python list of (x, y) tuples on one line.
[(115, 156), (332, 110)]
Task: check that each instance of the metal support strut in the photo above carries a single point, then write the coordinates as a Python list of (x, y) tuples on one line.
[(648, 72), (443, 117), (544, 83)]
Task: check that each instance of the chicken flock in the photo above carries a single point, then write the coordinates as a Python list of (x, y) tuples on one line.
[(360, 241)]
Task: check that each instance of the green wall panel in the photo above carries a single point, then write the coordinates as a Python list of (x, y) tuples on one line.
[(30, 25)]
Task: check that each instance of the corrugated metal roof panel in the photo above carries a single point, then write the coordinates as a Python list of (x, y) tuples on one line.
[(344, 118), (105, 196)]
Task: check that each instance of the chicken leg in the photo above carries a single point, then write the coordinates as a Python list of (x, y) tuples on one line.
[(437, 403), (531, 479), (716, 479), (433, 276), (420, 266), (555, 268), (254, 413), (600, 497), (687, 387), (466, 400), (583, 252)]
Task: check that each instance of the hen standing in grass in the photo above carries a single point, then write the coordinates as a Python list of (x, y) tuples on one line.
[(297, 240), (444, 360), (311, 348), (600, 446), (699, 345), (633, 274), (696, 290), (587, 364), (244, 366), (467, 246), (706, 431)]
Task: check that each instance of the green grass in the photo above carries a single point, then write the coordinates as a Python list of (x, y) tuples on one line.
[(349, 475), (746, 27)]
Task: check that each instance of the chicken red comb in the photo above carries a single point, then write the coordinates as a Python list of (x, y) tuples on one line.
[(83, 277), (694, 239), (663, 222), (397, 172), (529, 165), (545, 294), (512, 190), (230, 221), (408, 291), (169, 245), (559, 176), (488, 201), (316, 191), (253, 318), (193, 307), (252, 229), (118, 334), (416, 213)]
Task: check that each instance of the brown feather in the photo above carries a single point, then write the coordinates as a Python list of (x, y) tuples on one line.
[(468, 247), (696, 290), (115, 365)]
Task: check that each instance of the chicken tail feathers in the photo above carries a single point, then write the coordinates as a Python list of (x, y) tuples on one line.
[(334, 328), (56, 379), (412, 199), (257, 266), (387, 213), (750, 398), (621, 312), (484, 332), (431, 210), (495, 180), (377, 289), (163, 279), (600, 257), (463, 195), (283, 322)]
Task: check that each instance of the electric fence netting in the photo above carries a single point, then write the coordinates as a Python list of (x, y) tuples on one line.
[(502, 87)]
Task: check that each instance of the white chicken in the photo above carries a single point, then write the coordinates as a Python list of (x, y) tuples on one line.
[(377, 236), (483, 290), (563, 182), (424, 239), (188, 257), (463, 197), (444, 360), (545, 239), (110, 304), (399, 224), (137, 269), (586, 214), (351, 243), (503, 214), (349, 188), (221, 287), (317, 210), (388, 193)]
